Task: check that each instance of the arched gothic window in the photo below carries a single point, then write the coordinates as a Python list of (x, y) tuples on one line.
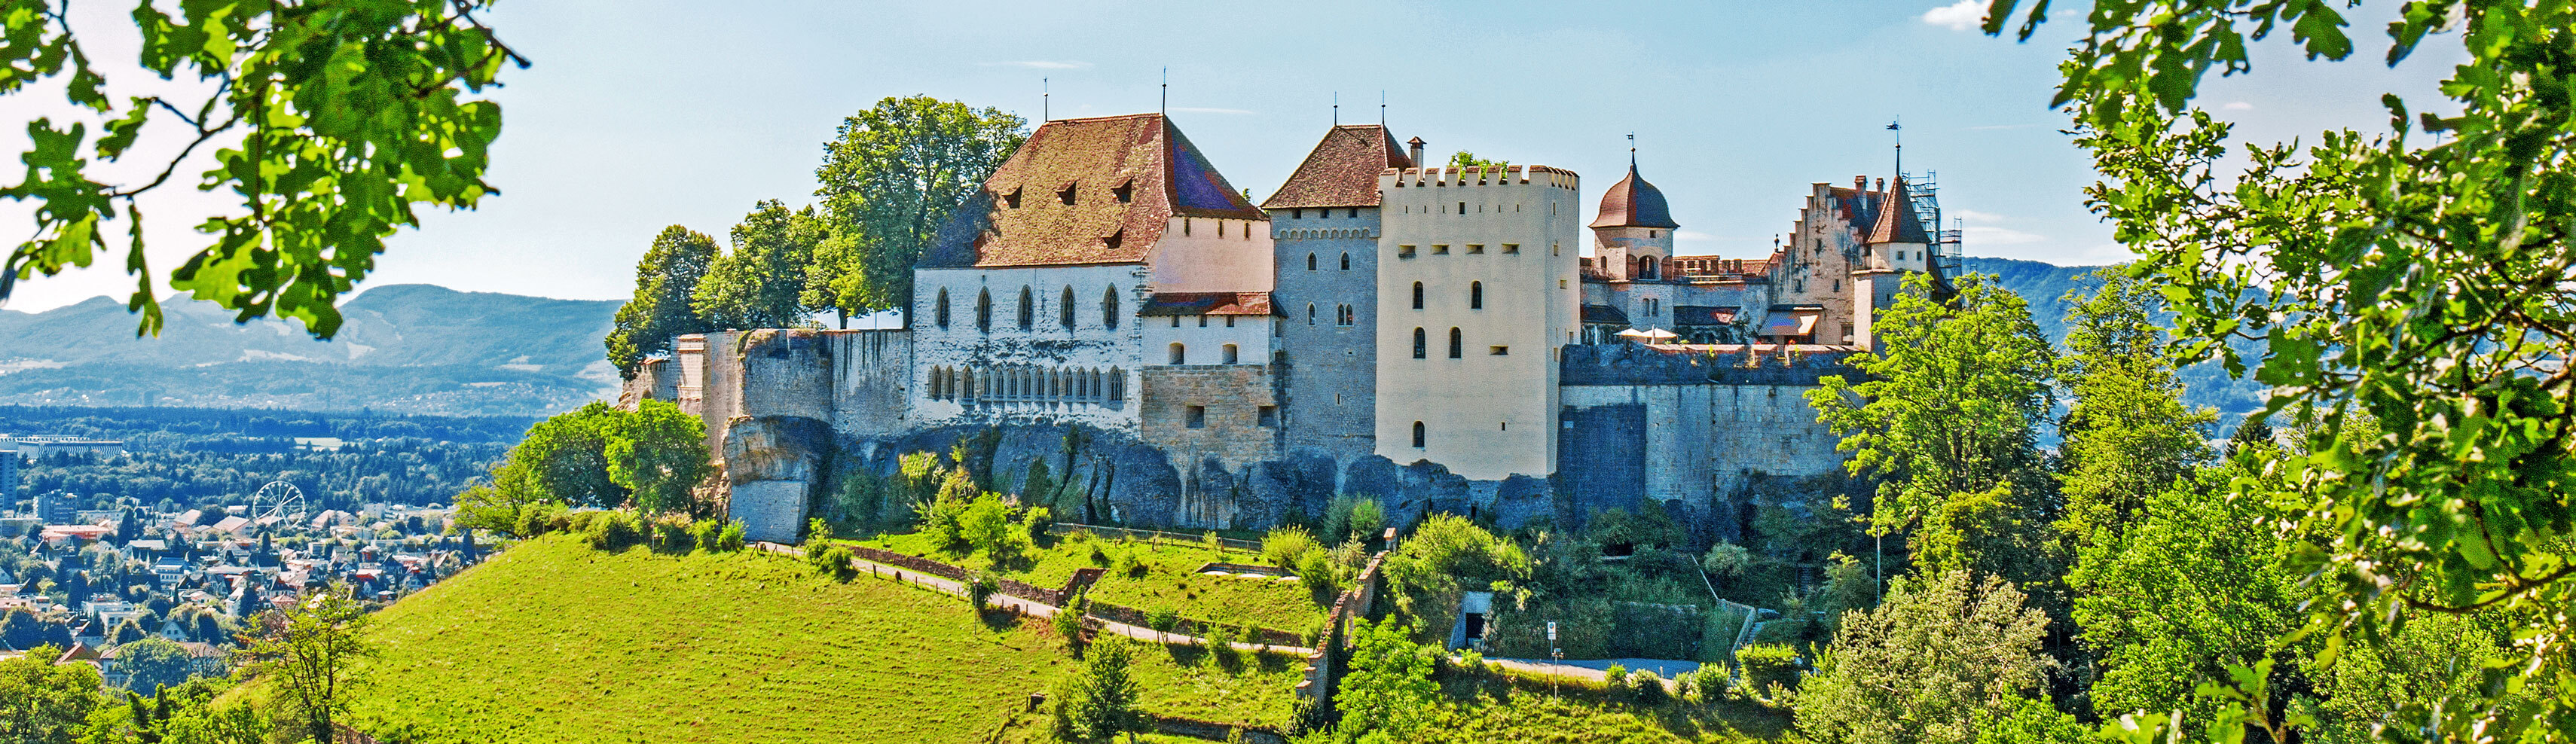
[(1421, 345), (1346, 262), (1310, 313), (1065, 314), (984, 310), (1028, 308), (1419, 438), (939, 312), (1475, 295), (1417, 295), (1109, 308), (1457, 344), (1310, 262)]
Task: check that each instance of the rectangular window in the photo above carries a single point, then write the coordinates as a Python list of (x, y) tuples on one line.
[(1176, 321), (1439, 250), (1511, 247), (1197, 417), (1404, 251), (1229, 321), (1502, 351), (1270, 416), (1475, 248)]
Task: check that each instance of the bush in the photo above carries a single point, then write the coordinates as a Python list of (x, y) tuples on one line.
[(833, 561), (1685, 684), (1163, 619), (817, 530), (614, 530), (1126, 564), (1711, 682), (1099, 554), (1068, 621), (979, 587), (1768, 664), (1283, 547), (1648, 687), (674, 535), (1615, 677), (1317, 572), (731, 538), (1368, 519), (706, 533)]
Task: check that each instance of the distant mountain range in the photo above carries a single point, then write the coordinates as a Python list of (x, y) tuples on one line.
[(2045, 286), (407, 348)]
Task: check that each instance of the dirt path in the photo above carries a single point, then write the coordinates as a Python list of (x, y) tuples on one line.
[(1030, 607)]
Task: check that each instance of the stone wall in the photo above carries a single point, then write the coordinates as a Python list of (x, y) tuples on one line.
[(1327, 261), (1695, 432)]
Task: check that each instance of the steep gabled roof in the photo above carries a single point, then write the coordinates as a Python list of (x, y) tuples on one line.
[(1342, 170), (1632, 202), (1126, 177), (1207, 303), (1896, 220)]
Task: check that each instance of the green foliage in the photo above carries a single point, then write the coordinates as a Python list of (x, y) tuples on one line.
[(307, 656), (43, 703), (348, 113), (1948, 415), (1647, 688), (2406, 298), (1100, 701), (1951, 652), (833, 561), (759, 284), (1068, 622), (1349, 517), (1427, 570), (2034, 722), (665, 281), (979, 587), (986, 526), (1283, 546), (1163, 619), (658, 453), (1388, 692), (1768, 667), (1465, 159), (2127, 434), (152, 663), (892, 176), (566, 457)]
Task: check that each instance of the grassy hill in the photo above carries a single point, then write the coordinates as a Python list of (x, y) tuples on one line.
[(551, 641)]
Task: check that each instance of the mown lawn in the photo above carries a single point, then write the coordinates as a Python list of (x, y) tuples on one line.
[(1168, 577), (551, 641)]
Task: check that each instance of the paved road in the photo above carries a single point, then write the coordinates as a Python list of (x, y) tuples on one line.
[(1033, 608)]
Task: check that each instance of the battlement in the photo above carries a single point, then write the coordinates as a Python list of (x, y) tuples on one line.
[(1479, 176), (1702, 364)]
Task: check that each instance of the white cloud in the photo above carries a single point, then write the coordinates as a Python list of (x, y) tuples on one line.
[(1041, 64), (2238, 106), (1972, 215), (1958, 16), (1988, 235), (1196, 110)]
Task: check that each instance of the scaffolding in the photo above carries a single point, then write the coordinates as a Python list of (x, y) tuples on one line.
[(1925, 192)]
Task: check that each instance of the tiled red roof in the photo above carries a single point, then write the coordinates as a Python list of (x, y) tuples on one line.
[(1207, 303), (1342, 170), (1126, 176), (1632, 202), (1898, 224)]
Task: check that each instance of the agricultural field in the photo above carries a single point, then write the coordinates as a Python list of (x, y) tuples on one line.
[(552, 641), (1165, 575)]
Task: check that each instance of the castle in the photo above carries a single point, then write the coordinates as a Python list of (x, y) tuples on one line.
[(1111, 307)]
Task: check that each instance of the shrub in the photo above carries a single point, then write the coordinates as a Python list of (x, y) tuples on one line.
[(832, 561), (1284, 546), (1768, 664), (1036, 521), (731, 538), (1068, 621), (614, 530), (706, 533), (1615, 677), (1099, 554), (1684, 685), (1368, 519), (1317, 572), (817, 530), (1315, 631), (1163, 619), (674, 535), (1648, 687), (1711, 681), (1126, 564), (1220, 642), (979, 587)]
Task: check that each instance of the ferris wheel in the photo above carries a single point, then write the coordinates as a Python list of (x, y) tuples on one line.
[(278, 499)]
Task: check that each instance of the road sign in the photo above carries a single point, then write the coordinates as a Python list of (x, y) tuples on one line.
[(1551, 631)]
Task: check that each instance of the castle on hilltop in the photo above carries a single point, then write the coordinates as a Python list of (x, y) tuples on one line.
[(1109, 306)]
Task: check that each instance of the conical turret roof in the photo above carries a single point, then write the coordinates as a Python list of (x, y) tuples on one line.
[(1897, 222)]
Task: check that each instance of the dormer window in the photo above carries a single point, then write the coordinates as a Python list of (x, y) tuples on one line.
[(1012, 199), (1126, 191), (1114, 238), (1066, 194)]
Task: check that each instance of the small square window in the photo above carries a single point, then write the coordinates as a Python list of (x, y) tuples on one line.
[(1502, 351), (1197, 417), (1229, 321), (1270, 416), (1439, 250), (1475, 248), (1511, 247), (1404, 251)]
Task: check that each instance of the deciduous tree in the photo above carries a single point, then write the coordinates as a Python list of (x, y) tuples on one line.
[(1947, 417), (308, 654), (761, 283), (334, 119), (891, 178), (45, 703), (2408, 288), (2127, 435), (658, 453), (666, 280), (1943, 656)]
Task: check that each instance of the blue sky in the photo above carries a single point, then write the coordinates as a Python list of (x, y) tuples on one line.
[(646, 113)]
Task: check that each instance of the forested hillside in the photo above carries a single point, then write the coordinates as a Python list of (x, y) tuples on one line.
[(2045, 285)]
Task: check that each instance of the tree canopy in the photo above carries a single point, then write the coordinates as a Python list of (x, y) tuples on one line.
[(333, 120), (666, 282), (892, 176)]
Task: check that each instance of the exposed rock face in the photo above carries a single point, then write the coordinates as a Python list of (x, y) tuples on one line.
[(774, 464)]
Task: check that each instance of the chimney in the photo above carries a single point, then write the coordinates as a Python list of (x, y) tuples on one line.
[(1413, 149), (1860, 183), (1882, 185)]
